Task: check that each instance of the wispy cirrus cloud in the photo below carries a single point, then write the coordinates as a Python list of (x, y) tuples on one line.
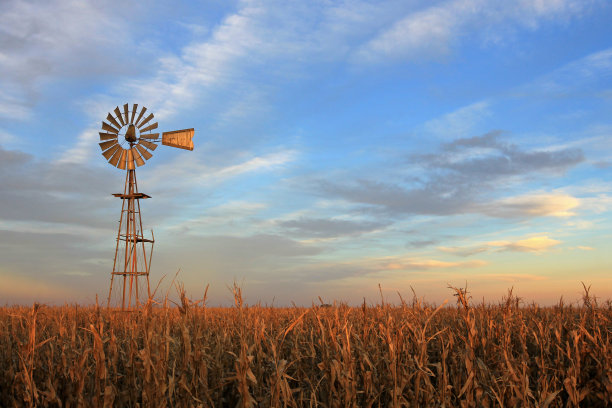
[(536, 244), (432, 31), (532, 205), (458, 123), (580, 78), (533, 244), (417, 264), (187, 171)]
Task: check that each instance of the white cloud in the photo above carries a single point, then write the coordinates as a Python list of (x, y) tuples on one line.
[(234, 45), (423, 33), (459, 123), (576, 76), (188, 171), (581, 224), (432, 31), (598, 204), (536, 244), (266, 162), (412, 264), (81, 152), (533, 205)]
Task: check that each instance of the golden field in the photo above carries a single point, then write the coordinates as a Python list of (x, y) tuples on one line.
[(412, 354)]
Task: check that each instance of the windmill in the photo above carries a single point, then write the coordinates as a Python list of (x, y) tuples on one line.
[(127, 142)]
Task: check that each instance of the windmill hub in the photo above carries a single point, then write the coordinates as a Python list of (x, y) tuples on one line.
[(130, 135), (127, 151)]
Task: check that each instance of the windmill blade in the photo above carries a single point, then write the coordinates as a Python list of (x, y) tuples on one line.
[(153, 136), (122, 158), (130, 160), (106, 145), (148, 145), (137, 158), (115, 159), (145, 121), (112, 120), (118, 113), (107, 136), (144, 109), (126, 113), (134, 112), (144, 152), (110, 152), (183, 139), (150, 127), (109, 128)]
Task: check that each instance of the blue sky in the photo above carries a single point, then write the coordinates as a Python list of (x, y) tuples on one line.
[(338, 145)]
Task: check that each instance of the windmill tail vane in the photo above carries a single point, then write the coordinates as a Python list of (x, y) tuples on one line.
[(183, 139), (127, 142)]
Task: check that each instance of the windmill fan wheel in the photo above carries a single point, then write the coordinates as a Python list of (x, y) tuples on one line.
[(126, 139)]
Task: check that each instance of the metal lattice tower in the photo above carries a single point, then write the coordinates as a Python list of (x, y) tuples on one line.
[(131, 259), (127, 142)]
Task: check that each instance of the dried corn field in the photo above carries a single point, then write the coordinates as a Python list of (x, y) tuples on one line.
[(375, 355)]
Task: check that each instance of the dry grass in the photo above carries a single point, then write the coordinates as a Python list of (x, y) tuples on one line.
[(413, 354)]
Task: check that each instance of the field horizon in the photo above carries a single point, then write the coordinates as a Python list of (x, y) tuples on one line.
[(176, 290)]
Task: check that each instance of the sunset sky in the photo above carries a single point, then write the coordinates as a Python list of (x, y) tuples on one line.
[(338, 145)]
